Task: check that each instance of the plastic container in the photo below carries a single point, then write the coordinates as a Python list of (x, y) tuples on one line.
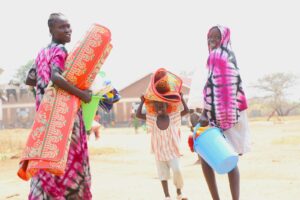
[(214, 149), (89, 111)]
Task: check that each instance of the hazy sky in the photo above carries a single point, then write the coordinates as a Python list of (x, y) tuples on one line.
[(150, 34)]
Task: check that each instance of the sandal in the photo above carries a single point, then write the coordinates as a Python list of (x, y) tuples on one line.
[(180, 197)]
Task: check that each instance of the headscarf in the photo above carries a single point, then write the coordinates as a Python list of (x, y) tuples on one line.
[(224, 97)]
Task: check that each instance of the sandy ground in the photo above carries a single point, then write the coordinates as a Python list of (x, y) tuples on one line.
[(123, 168)]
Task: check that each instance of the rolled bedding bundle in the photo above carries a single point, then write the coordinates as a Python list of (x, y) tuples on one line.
[(48, 142), (164, 87)]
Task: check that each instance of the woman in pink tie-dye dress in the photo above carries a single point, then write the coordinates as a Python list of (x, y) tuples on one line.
[(225, 104), (75, 183)]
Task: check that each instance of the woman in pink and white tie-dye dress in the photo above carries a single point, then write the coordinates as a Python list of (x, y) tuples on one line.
[(49, 65), (225, 104)]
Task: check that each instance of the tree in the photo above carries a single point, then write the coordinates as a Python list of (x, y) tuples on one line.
[(275, 86), (23, 70)]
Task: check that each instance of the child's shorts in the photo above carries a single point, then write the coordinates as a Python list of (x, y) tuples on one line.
[(163, 170)]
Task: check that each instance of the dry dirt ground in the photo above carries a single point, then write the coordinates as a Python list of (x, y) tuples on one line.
[(123, 168)]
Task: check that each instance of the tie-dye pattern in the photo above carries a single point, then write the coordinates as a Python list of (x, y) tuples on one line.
[(76, 182), (53, 56), (224, 97)]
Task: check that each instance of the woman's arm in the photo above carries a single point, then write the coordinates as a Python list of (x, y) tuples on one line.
[(139, 113), (185, 107), (61, 82)]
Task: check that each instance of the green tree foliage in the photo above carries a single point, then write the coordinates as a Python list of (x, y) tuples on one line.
[(22, 71)]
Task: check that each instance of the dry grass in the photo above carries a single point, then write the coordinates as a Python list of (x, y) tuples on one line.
[(104, 151), (122, 158), (276, 119), (287, 140), (12, 140), (12, 143)]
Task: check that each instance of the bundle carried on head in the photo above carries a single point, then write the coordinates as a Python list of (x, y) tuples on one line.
[(164, 87)]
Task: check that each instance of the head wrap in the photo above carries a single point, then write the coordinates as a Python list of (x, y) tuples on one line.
[(223, 94)]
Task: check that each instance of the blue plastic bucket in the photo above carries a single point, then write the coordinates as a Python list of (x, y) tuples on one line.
[(214, 149)]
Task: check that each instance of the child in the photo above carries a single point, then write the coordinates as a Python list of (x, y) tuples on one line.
[(165, 138), (95, 127), (224, 104), (2, 98)]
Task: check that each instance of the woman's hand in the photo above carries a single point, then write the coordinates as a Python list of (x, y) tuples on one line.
[(181, 95), (185, 108), (139, 113), (142, 99), (203, 120), (86, 96)]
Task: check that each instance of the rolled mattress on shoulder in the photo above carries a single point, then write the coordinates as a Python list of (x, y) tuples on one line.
[(48, 142)]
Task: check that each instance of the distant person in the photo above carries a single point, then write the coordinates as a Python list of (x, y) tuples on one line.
[(23, 90), (225, 104), (134, 121), (95, 127), (23, 117), (95, 130), (164, 124), (11, 90), (2, 99)]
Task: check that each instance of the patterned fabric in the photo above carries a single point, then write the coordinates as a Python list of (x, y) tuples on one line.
[(53, 56), (109, 94), (48, 143), (164, 87), (75, 182), (224, 96), (165, 144), (109, 99)]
